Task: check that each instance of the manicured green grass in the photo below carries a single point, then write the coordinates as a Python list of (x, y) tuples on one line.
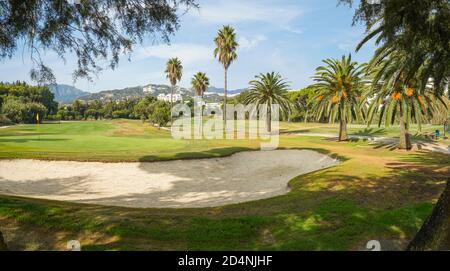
[(125, 140), (375, 193), (109, 141)]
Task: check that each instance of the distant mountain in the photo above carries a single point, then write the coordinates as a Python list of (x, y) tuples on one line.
[(212, 93), (66, 93), (134, 92)]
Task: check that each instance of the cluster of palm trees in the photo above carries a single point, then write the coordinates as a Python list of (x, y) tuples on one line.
[(225, 51), (345, 90), (266, 89), (348, 91)]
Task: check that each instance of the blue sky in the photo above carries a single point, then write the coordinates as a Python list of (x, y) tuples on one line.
[(287, 36)]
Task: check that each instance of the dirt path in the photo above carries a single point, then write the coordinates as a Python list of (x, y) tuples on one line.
[(389, 141), (241, 177)]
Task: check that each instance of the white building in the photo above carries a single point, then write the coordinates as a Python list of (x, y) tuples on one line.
[(166, 97), (148, 89)]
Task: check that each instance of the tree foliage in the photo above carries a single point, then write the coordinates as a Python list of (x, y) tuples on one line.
[(392, 91), (266, 90), (91, 30), (27, 93), (160, 113), (418, 29), (226, 46), (20, 102), (200, 82), (226, 53), (23, 112), (302, 101), (339, 87), (174, 71)]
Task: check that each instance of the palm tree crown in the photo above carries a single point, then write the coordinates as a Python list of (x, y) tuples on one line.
[(225, 51), (226, 46), (269, 89), (200, 83), (174, 70), (339, 91), (396, 96)]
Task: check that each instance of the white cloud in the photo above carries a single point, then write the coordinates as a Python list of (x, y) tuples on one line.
[(249, 43), (187, 52), (232, 11)]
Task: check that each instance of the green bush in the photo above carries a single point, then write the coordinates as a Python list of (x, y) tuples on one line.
[(23, 112), (160, 113), (118, 114)]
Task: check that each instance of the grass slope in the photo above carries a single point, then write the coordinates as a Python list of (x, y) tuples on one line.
[(375, 193)]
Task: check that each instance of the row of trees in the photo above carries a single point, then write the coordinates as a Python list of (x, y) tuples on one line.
[(344, 92), (146, 109), (225, 51), (347, 91), (22, 103)]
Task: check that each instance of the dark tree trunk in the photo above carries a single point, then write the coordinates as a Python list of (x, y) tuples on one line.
[(2, 243), (405, 140), (435, 232), (343, 135), (269, 119)]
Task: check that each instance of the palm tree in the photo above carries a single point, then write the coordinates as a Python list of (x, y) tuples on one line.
[(397, 95), (225, 51), (268, 89), (174, 71), (339, 91), (200, 83)]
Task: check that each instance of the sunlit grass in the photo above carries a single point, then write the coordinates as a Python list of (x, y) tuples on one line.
[(374, 193)]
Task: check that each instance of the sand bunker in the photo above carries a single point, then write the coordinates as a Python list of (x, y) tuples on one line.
[(241, 177)]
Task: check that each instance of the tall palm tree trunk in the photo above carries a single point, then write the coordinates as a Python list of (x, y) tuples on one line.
[(343, 135), (269, 119), (435, 232), (225, 99), (171, 100), (405, 141)]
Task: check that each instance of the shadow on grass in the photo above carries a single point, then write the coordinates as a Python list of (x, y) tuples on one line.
[(24, 134), (371, 132), (23, 140), (288, 131), (216, 152)]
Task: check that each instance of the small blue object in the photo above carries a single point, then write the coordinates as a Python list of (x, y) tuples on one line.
[(437, 133)]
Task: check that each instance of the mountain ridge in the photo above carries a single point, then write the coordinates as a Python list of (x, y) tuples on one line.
[(67, 94)]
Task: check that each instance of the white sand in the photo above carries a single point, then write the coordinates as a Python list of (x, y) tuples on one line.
[(241, 177)]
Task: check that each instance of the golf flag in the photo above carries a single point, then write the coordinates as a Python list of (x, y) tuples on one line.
[(37, 118)]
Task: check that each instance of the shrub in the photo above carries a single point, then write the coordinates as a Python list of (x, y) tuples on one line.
[(160, 113), (23, 112), (118, 114)]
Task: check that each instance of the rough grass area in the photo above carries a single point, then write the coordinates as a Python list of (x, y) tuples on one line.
[(375, 193)]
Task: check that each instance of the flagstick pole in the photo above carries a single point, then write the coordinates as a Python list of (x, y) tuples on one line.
[(38, 126)]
